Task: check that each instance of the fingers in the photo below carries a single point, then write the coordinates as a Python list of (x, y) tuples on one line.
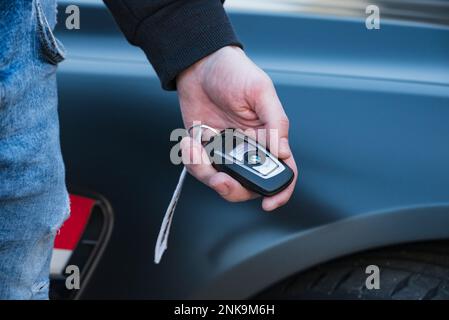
[(229, 188), (195, 158), (271, 112), (278, 200), (198, 164)]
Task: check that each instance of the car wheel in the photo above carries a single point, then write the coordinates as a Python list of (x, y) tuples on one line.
[(414, 271)]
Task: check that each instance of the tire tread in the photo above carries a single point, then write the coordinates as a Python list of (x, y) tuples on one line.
[(414, 271)]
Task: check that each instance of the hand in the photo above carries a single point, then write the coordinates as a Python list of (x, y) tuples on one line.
[(227, 90)]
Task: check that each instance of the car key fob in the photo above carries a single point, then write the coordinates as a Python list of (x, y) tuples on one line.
[(248, 162)]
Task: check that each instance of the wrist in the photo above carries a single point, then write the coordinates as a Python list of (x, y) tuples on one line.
[(201, 65)]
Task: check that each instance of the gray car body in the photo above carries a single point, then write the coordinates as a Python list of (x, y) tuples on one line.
[(369, 127)]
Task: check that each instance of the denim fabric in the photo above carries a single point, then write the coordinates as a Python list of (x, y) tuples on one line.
[(33, 196)]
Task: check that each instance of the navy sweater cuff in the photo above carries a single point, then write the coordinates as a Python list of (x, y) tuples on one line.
[(180, 37)]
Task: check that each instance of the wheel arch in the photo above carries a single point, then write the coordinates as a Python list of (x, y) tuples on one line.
[(301, 251)]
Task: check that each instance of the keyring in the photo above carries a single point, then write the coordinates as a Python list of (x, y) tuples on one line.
[(203, 126), (200, 136)]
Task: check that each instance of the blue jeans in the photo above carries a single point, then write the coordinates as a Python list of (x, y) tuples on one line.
[(33, 196)]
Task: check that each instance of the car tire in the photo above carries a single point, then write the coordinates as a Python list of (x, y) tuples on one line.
[(408, 272)]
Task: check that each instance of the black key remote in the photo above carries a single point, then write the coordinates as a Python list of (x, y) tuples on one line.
[(248, 162)]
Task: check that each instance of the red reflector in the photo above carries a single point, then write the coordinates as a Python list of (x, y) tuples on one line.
[(72, 229)]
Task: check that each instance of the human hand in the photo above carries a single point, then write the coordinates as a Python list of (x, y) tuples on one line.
[(227, 90)]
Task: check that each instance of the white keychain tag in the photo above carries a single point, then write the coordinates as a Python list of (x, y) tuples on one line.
[(162, 239)]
